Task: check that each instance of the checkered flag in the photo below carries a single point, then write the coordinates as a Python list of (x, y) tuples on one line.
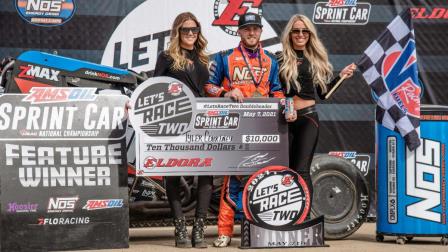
[(389, 65)]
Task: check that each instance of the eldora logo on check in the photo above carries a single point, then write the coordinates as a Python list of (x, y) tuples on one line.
[(162, 107), (276, 196)]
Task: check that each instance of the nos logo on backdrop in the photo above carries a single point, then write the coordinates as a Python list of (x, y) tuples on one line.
[(276, 196), (145, 31), (46, 12)]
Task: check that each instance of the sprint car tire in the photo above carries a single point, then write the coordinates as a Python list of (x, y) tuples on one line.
[(340, 193)]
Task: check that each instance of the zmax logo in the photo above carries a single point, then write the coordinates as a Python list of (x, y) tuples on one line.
[(31, 72), (423, 181)]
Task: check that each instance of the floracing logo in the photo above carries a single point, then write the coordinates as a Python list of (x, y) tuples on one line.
[(158, 113), (31, 72), (46, 12), (399, 72), (227, 13), (40, 95), (62, 204), (103, 204), (15, 207), (276, 196), (63, 221), (361, 161), (344, 12)]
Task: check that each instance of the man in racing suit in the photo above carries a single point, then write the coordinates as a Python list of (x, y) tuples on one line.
[(244, 71)]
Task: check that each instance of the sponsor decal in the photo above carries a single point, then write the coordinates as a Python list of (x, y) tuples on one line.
[(46, 12), (62, 204), (392, 200), (361, 161), (63, 221), (227, 13), (204, 121), (217, 113), (342, 12), (398, 70), (32, 72), (158, 113), (103, 204), (242, 75), (276, 196), (136, 45), (148, 193), (429, 13), (14, 207), (102, 75), (424, 169), (40, 95)]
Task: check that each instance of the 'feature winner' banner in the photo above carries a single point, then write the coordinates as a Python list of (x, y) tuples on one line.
[(179, 134), (63, 170)]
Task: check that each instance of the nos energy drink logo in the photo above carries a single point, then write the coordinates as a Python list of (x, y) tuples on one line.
[(400, 74), (276, 196), (46, 12), (425, 171)]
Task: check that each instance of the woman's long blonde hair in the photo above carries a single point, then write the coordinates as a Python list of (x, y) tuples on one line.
[(180, 62), (314, 51)]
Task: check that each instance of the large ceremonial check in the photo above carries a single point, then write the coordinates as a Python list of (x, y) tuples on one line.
[(179, 134), (63, 170)]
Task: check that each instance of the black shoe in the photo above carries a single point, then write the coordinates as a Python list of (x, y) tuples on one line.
[(197, 234), (181, 234)]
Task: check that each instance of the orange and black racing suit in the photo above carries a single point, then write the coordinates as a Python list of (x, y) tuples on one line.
[(231, 69)]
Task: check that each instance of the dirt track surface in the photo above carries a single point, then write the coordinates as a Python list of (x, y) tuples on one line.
[(161, 239)]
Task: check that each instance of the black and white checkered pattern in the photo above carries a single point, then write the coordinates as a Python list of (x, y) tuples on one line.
[(397, 34)]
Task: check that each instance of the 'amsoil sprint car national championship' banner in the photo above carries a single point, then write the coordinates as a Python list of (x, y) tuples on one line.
[(179, 134), (63, 170)]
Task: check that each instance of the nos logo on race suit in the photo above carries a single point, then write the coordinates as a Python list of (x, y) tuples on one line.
[(145, 31), (399, 72), (276, 196)]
